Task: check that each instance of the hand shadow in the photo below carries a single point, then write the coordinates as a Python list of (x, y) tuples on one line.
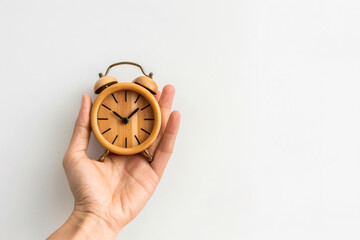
[(95, 149)]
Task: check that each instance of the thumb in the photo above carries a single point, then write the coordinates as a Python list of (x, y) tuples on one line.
[(80, 138)]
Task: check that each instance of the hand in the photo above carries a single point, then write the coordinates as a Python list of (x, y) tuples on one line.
[(131, 114), (109, 194)]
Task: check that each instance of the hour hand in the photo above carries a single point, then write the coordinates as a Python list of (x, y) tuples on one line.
[(133, 113), (118, 115)]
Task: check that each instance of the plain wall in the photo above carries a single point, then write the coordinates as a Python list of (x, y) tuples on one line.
[(269, 94)]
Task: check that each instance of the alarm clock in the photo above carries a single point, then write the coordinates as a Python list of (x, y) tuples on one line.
[(125, 117)]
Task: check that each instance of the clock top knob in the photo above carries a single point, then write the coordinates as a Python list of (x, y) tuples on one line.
[(104, 82), (147, 83), (144, 81)]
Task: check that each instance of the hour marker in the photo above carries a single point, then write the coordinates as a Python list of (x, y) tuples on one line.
[(114, 98), (145, 107), (126, 142), (102, 118), (125, 96), (106, 107), (145, 131), (137, 139), (106, 131), (137, 98), (114, 139), (149, 119)]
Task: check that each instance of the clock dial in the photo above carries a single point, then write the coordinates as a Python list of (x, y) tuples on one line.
[(125, 118)]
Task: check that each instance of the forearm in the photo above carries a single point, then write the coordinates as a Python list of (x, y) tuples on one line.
[(83, 226)]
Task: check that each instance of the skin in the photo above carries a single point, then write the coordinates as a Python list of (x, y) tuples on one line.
[(109, 194)]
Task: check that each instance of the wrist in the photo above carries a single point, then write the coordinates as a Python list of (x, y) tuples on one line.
[(84, 226), (91, 225)]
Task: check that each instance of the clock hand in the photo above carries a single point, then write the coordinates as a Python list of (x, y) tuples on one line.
[(124, 120), (118, 115), (133, 113)]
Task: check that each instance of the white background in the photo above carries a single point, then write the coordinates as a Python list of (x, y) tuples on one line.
[(269, 94)]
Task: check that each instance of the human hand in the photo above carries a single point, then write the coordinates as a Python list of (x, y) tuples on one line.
[(109, 194)]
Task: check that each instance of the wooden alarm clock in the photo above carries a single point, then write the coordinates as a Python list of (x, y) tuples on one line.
[(125, 117)]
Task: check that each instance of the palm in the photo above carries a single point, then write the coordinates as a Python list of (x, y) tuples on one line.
[(118, 188)]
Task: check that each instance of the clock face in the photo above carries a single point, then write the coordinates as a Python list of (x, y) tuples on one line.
[(125, 118)]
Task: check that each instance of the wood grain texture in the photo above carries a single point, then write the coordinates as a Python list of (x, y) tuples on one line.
[(102, 82), (110, 130), (116, 102), (147, 83)]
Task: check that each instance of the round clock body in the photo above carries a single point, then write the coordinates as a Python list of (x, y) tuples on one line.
[(125, 118)]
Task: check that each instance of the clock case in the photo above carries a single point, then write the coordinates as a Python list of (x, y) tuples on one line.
[(146, 87)]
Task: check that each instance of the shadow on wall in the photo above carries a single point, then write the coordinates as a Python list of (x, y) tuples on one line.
[(95, 150)]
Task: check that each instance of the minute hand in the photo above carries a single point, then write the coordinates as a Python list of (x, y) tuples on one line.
[(133, 113)]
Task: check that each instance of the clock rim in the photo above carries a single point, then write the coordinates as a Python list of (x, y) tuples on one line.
[(143, 92)]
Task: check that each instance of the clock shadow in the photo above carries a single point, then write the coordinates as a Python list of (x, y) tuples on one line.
[(95, 149)]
